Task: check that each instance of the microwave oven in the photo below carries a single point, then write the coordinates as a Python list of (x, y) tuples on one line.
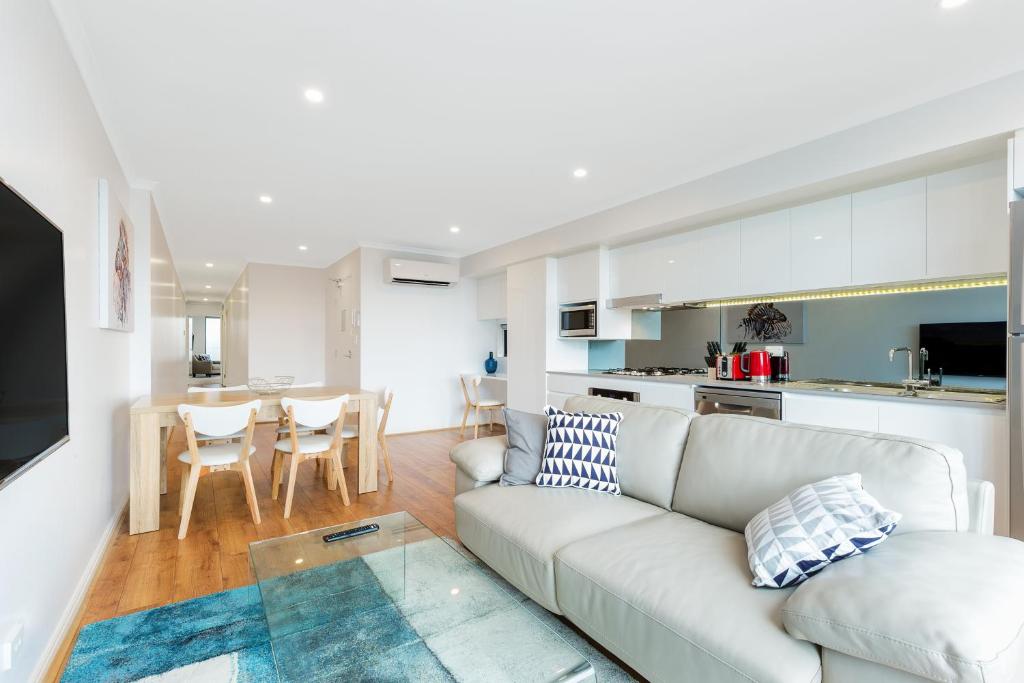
[(577, 320)]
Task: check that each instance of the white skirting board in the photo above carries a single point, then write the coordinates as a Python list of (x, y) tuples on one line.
[(67, 620)]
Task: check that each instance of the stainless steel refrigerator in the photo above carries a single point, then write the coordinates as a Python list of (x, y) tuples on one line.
[(1015, 368)]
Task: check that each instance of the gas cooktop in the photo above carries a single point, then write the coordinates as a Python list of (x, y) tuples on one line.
[(655, 371)]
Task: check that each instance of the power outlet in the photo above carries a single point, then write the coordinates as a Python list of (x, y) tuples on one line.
[(11, 637)]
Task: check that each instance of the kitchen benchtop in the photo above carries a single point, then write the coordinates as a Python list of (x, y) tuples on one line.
[(948, 396)]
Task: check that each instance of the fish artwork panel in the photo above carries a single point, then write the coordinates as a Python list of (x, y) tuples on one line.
[(766, 323)]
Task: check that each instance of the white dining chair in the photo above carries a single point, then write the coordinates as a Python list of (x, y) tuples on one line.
[(351, 431), (282, 424), (216, 422), (471, 392), (315, 415)]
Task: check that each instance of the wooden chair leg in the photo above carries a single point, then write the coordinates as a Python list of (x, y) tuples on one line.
[(387, 457), (490, 421), (340, 473), (183, 488), (292, 476), (250, 492), (329, 477), (276, 470), (465, 416), (476, 423), (190, 498)]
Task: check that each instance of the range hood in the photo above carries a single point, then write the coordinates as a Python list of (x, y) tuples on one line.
[(647, 302)]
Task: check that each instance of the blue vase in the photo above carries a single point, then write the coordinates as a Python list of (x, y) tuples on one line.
[(491, 365)]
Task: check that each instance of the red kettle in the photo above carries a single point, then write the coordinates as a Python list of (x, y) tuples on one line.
[(757, 365)]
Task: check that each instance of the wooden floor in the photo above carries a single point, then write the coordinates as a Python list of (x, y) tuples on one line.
[(148, 570)]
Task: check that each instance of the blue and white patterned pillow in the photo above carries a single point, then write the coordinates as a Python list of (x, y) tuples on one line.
[(580, 451), (814, 526)]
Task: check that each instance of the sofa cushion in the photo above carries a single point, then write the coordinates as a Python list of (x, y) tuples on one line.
[(649, 446), (735, 466), (673, 600), (481, 459), (517, 529), (943, 605)]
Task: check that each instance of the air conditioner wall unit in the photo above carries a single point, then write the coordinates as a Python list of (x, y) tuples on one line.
[(427, 273)]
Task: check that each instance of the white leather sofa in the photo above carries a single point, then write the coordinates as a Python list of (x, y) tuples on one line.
[(659, 576)]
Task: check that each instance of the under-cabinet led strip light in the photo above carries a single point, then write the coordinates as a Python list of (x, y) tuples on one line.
[(998, 281)]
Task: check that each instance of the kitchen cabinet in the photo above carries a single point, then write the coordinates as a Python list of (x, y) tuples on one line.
[(830, 411), (820, 244), (652, 391), (491, 298), (968, 228), (981, 434), (586, 277), (691, 266), (579, 277), (765, 253), (889, 233)]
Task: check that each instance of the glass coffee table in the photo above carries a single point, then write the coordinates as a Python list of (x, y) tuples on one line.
[(399, 604)]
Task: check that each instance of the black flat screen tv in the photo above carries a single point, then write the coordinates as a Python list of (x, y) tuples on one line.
[(968, 349), (33, 337)]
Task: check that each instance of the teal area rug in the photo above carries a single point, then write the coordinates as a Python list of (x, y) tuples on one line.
[(224, 638)]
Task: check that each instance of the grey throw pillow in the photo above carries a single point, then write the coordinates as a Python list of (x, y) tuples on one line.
[(526, 434)]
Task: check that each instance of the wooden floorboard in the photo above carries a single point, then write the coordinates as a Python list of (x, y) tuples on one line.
[(153, 569)]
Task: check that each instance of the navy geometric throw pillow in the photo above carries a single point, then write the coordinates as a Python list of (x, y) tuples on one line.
[(815, 526), (580, 451)]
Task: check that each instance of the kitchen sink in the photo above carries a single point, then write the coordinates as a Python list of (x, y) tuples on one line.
[(846, 386)]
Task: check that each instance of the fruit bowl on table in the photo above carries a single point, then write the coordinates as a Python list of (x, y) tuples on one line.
[(267, 387)]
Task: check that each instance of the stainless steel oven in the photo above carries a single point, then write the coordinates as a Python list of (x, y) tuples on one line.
[(707, 400), (578, 320)]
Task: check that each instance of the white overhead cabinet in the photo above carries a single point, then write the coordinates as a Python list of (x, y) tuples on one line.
[(968, 229), (586, 277), (691, 266), (890, 233), (820, 244), (491, 297), (765, 254)]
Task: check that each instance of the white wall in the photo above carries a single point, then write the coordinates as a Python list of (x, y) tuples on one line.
[(417, 340), (235, 332), (342, 302), (286, 322), (168, 344), (54, 518)]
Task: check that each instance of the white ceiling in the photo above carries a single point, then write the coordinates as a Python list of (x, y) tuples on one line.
[(475, 113)]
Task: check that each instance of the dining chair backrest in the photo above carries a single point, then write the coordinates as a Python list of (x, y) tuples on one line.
[(315, 414), (307, 385), (237, 387), (384, 407), (471, 388), (219, 421)]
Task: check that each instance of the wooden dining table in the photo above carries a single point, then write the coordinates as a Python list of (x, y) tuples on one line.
[(152, 418)]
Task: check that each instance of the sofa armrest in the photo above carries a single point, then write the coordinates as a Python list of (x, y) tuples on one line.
[(478, 462), (981, 501), (942, 605)]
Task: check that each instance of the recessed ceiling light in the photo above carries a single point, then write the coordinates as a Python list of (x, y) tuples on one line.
[(209, 265), (579, 173), (951, 4), (266, 198), (454, 228), (671, 260), (205, 298), (314, 95), (209, 286), (818, 237), (303, 247)]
